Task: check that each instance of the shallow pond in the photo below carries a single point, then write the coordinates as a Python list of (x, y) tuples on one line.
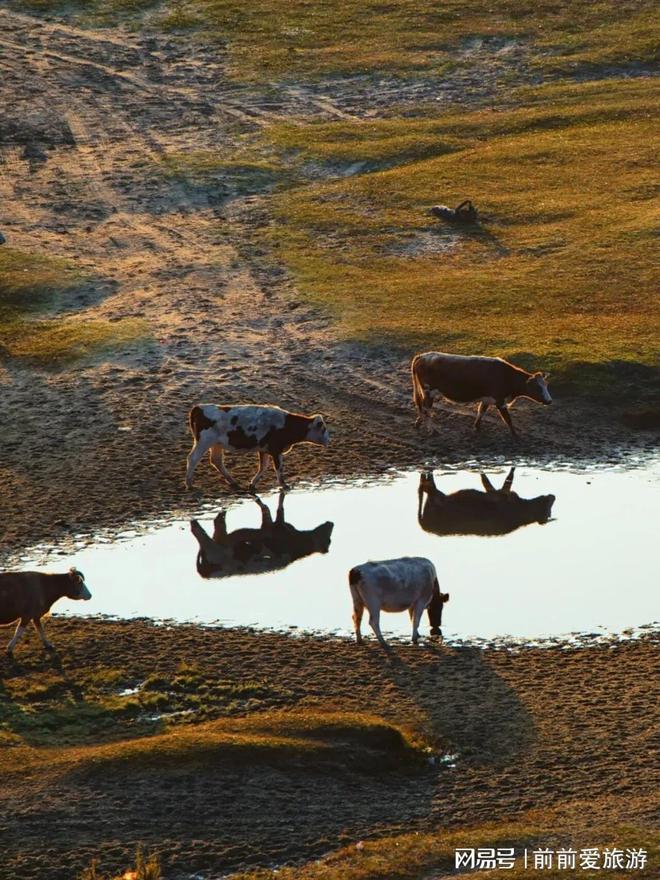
[(591, 567)]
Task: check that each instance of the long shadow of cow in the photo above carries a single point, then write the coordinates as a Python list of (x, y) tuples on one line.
[(473, 512), (274, 545)]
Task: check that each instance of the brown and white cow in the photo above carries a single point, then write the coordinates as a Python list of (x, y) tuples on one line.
[(28, 595), (471, 379), (267, 430), (406, 584), (275, 545), (472, 512)]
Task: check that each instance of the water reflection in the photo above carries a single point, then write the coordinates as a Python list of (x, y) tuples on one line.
[(472, 512), (274, 545)]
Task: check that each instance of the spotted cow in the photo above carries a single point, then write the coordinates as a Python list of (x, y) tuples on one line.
[(406, 584), (472, 379), (267, 430)]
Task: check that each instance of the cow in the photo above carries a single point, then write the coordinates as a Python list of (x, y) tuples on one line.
[(250, 551), (472, 512), (471, 379), (406, 584), (267, 430), (463, 213), (28, 595)]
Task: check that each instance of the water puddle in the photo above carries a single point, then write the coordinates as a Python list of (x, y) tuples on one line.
[(516, 563)]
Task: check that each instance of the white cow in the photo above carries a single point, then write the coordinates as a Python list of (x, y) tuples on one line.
[(406, 584)]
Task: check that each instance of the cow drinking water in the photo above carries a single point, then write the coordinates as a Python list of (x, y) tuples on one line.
[(406, 584), (28, 595), (473, 379)]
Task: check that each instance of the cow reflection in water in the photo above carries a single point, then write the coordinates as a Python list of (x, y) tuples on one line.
[(274, 545), (472, 512)]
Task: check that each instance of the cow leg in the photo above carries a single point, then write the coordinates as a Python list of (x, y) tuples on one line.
[(266, 518), (195, 456), (18, 635), (374, 623), (483, 406), (506, 417), (416, 614), (263, 466), (278, 467), (220, 527), (38, 625), (217, 459), (358, 610)]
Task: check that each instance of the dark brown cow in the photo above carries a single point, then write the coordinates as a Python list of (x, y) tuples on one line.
[(468, 379), (251, 551), (267, 430), (28, 595), (471, 512)]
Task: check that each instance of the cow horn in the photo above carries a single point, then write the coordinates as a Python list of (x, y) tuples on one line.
[(486, 483)]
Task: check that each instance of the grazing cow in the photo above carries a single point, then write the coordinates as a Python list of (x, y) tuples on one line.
[(406, 584), (267, 430), (463, 213), (471, 512), (468, 379), (250, 551), (28, 595)]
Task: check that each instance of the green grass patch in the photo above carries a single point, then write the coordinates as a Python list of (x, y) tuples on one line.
[(561, 274), (31, 284)]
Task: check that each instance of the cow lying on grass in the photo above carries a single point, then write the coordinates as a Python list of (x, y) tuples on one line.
[(28, 595), (406, 584), (267, 430), (472, 379)]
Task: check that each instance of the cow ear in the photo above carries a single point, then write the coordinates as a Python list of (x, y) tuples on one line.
[(445, 597)]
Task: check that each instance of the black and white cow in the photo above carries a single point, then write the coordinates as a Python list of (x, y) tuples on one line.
[(406, 584), (471, 379), (267, 430), (28, 595)]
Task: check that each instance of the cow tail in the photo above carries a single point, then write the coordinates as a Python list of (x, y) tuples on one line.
[(193, 421), (419, 397)]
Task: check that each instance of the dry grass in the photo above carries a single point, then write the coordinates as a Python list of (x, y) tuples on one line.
[(414, 856), (294, 38)]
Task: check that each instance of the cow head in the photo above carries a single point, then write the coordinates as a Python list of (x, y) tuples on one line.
[(317, 431), (322, 537), (435, 611), (542, 507), (77, 586), (536, 388)]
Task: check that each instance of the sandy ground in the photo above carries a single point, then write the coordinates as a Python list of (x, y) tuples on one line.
[(90, 115), (567, 729)]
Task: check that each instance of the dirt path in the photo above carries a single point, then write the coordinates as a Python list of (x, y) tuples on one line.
[(104, 441)]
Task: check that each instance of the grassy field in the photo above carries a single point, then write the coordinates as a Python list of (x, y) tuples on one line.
[(560, 274), (31, 287), (294, 38)]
